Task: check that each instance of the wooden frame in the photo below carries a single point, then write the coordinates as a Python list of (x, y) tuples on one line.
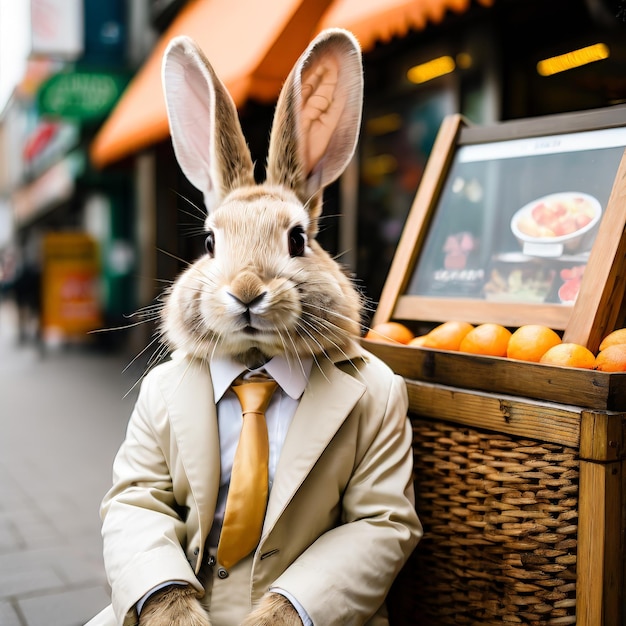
[(598, 307)]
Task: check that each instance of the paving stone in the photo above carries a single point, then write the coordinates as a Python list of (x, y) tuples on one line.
[(62, 418), (37, 532), (13, 496), (74, 566), (19, 577), (70, 608), (8, 616), (10, 539)]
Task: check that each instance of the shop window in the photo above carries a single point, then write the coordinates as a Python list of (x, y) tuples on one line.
[(396, 142)]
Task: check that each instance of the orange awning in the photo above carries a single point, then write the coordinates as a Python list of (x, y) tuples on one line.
[(252, 46), (380, 20)]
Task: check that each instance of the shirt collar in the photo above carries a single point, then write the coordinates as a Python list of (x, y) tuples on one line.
[(291, 377)]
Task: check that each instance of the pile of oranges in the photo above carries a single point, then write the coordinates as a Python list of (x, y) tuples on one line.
[(531, 342)]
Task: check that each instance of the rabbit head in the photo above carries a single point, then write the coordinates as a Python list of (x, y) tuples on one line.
[(264, 286)]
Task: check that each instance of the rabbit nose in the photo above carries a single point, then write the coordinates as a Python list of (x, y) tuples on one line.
[(247, 289), (246, 301)]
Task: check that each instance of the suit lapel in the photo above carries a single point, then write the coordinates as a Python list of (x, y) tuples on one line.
[(328, 399), (188, 392)]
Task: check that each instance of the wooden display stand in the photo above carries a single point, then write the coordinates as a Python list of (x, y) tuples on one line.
[(519, 467)]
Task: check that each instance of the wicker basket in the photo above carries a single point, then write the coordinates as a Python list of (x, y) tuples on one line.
[(500, 523), (521, 487)]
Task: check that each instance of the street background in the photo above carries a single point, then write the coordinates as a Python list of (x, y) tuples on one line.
[(62, 417), (96, 217)]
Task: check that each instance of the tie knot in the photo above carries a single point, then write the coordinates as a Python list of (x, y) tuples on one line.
[(255, 396)]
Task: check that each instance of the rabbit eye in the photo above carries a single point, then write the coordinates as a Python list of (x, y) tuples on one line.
[(297, 241), (209, 243)]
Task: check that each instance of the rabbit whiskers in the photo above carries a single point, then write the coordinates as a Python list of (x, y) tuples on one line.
[(315, 327)]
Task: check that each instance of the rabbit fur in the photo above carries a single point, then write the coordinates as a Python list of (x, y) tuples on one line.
[(265, 286)]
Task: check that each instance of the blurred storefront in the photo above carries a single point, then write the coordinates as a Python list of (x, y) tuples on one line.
[(423, 60), (75, 74), (485, 63)]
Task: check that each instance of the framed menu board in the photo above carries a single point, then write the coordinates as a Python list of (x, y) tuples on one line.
[(518, 223)]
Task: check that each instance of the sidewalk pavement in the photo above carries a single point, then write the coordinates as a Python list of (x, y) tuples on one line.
[(62, 417)]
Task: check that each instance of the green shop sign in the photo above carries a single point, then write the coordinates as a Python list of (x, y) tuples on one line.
[(80, 95)]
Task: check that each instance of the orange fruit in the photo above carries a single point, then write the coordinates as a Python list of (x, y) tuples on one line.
[(417, 341), (569, 355), (531, 342), (612, 359), (390, 332), (487, 339), (615, 338), (447, 336)]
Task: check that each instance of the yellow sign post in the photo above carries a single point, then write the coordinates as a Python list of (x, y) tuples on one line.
[(71, 301)]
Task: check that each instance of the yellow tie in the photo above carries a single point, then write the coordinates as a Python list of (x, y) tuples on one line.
[(248, 491)]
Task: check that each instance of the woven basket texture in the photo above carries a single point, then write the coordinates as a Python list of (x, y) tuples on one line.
[(500, 531)]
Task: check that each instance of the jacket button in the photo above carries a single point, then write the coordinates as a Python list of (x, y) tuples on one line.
[(222, 573), (196, 551), (211, 560)]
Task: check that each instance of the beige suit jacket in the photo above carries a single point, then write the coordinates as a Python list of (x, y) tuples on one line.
[(340, 521)]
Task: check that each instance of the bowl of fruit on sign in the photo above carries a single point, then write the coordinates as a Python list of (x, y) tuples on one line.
[(554, 224), (572, 278)]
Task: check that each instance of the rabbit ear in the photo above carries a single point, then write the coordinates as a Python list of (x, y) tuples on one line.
[(318, 115), (206, 133)]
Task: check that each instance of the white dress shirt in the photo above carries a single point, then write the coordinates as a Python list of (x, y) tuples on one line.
[(291, 378)]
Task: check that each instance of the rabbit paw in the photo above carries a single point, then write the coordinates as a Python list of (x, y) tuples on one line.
[(274, 610), (174, 606)]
